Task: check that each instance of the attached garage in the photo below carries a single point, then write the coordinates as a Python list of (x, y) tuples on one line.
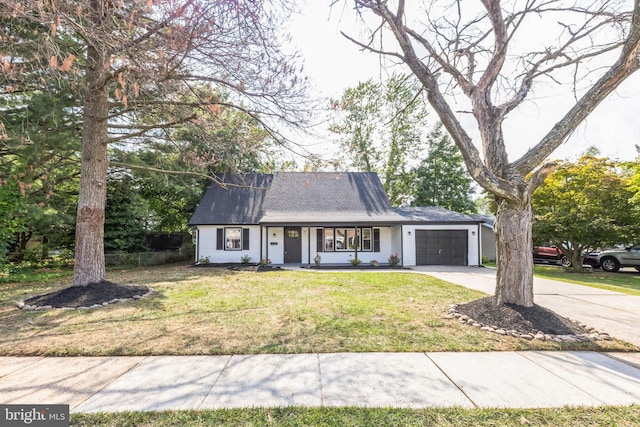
[(442, 247)]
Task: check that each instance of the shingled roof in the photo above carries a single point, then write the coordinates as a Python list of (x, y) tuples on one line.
[(239, 201), (314, 198)]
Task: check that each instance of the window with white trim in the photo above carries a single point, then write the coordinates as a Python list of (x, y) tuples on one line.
[(345, 239)]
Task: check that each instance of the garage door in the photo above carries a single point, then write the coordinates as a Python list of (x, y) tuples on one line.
[(441, 247)]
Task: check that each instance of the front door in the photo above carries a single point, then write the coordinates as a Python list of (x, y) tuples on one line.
[(292, 245)]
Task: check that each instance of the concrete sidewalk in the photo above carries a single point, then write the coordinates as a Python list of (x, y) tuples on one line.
[(608, 311), (411, 380)]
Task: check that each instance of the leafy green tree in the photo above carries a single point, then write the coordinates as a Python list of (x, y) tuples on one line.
[(634, 179), (381, 129), (441, 178), (585, 205)]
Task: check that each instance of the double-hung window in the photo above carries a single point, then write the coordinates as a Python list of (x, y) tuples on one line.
[(232, 239)]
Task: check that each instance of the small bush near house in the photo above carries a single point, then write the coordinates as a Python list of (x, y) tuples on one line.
[(394, 260)]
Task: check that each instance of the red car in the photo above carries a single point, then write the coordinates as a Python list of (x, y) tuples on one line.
[(550, 255)]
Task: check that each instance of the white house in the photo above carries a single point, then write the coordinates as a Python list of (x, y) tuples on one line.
[(290, 217)]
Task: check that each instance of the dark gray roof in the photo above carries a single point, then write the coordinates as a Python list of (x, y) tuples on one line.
[(239, 202), (326, 197), (487, 220), (319, 198), (424, 214)]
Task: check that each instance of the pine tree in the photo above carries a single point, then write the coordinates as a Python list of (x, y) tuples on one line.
[(441, 178)]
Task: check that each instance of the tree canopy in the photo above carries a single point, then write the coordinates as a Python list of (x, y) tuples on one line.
[(381, 127), (585, 205)]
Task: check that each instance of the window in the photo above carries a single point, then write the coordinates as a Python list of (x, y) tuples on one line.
[(366, 239), (346, 239), (341, 241), (293, 234), (328, 240), (233, 239)]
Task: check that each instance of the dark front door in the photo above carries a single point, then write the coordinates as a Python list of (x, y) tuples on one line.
[(292, 245), (441, 247)]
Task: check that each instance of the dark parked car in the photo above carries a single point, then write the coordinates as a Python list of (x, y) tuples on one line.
[(591, 258)]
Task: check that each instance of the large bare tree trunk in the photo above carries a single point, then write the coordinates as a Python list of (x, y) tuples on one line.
[(513, 253), (89, 247)]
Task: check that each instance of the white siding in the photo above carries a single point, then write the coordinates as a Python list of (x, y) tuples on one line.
[(488, 239), (206, 245), (273, 244), (393, 240)]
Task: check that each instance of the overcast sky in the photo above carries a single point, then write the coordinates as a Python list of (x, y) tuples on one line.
[(334, 64)]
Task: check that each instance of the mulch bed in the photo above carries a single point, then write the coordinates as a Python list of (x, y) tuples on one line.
[(86, 296), (525, 320)]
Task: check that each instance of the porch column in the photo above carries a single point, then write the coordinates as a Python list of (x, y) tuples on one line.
[(308, 246), (356, 240), (266, 256), (261, 240), (402, 245)]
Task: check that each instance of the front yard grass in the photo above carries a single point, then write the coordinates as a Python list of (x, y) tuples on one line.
[(217, 311), (296, 416), (626, 281)]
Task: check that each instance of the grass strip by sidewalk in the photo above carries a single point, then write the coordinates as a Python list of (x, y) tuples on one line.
[(625, 281), (215, 311), (297, 416)]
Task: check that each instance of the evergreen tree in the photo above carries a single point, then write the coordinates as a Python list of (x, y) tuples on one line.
[(441, 178), (126, 214)]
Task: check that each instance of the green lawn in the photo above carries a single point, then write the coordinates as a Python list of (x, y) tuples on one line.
[(626, 281), (583, 417), (217, 311)]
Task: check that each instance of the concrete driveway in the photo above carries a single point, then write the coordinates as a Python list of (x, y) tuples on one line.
[(608, 311)]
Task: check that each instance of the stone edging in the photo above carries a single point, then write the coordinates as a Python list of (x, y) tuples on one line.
[(592, 335), (21, 305)]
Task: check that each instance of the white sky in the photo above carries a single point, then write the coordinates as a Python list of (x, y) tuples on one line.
[(333, 63)]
